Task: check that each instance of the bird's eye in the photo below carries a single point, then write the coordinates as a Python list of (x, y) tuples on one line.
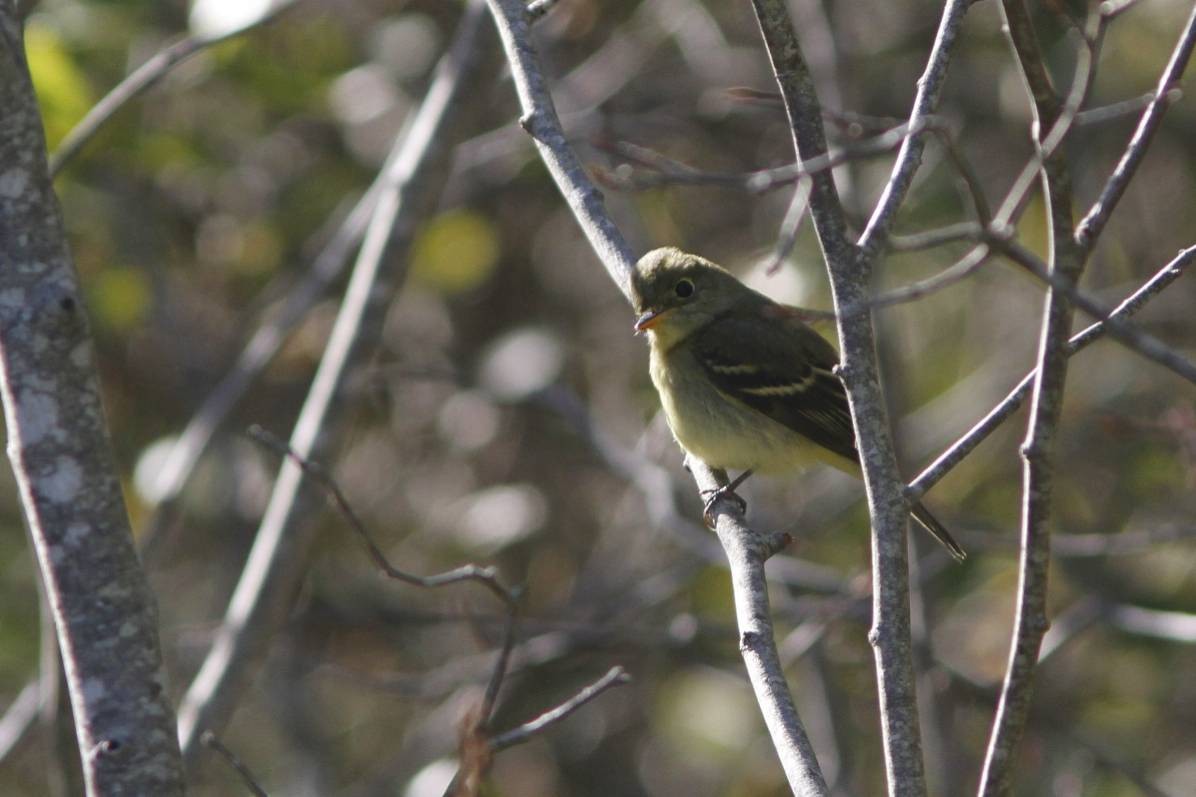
[(684, 288)]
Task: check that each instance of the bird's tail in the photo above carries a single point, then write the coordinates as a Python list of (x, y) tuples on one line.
[(928, 522)]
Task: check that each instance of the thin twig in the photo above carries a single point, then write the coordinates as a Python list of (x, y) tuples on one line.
[(19, 717), (277, 559), (958, 271), (479, 748), (664, 170), (616, 676), (1093, 223), (140, 80), (930, 87), (1116, 110), (787, 237), (956, 452), (1058, 123), (940, 236), (1127, 334), (486, 576), (213, 743)]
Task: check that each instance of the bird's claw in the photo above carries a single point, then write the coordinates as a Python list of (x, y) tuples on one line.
[(714, 496)]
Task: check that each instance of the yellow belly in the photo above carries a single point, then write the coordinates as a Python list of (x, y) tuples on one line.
[(724, 432)]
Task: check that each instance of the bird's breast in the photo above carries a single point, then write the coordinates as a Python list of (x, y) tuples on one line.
[(716, 428)]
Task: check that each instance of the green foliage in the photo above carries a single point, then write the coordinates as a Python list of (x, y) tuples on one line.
[(455, 252), (62, 89)]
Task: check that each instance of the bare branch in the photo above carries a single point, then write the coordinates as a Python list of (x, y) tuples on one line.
[(1171, 626), (958, 271), (930, 87), (541, 122), (940, 236), (747, 551), (70, 493), (19, 717), (1116, 110), (279, 553), (486, 576), (663, 170), (850, 267), (213, 743), (1093, 223), (790, 225), (478, 749), (1007, 406), (1067, 262), (616, 676), (1128, 335)]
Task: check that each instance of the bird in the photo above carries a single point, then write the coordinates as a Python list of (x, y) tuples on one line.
[(745, 384)]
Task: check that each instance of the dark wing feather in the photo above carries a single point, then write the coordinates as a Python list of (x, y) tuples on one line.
[(790, 378)]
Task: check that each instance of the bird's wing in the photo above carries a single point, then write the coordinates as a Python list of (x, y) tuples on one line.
[(788, 377)]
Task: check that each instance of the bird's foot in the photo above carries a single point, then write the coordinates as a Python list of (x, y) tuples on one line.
[(714, 496)]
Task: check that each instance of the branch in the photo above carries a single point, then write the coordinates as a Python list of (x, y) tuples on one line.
[(747, 551), (486, 576), (213, 743), (1007, 406), (258, 352), (1093, 223), (850, 270), (930, 87), (616, 676), (19, 717), (478, 748), (1067, 262), (1172, 626), (541, 122), (1127, 334), (475, 762), (664, 170), (278, 557), (62, 461)]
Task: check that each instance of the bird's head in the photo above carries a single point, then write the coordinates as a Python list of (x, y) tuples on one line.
[(676, 293)]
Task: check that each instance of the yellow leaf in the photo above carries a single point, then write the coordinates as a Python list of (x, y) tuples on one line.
[(62, 91), (455, 252), (119, 297)]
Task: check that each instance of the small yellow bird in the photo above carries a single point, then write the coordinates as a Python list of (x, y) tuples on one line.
[(744, 383)]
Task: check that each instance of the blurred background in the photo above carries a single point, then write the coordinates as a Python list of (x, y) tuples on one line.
[(505, 415)]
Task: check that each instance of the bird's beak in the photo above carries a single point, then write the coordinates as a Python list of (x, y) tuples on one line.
[(649, 320)]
